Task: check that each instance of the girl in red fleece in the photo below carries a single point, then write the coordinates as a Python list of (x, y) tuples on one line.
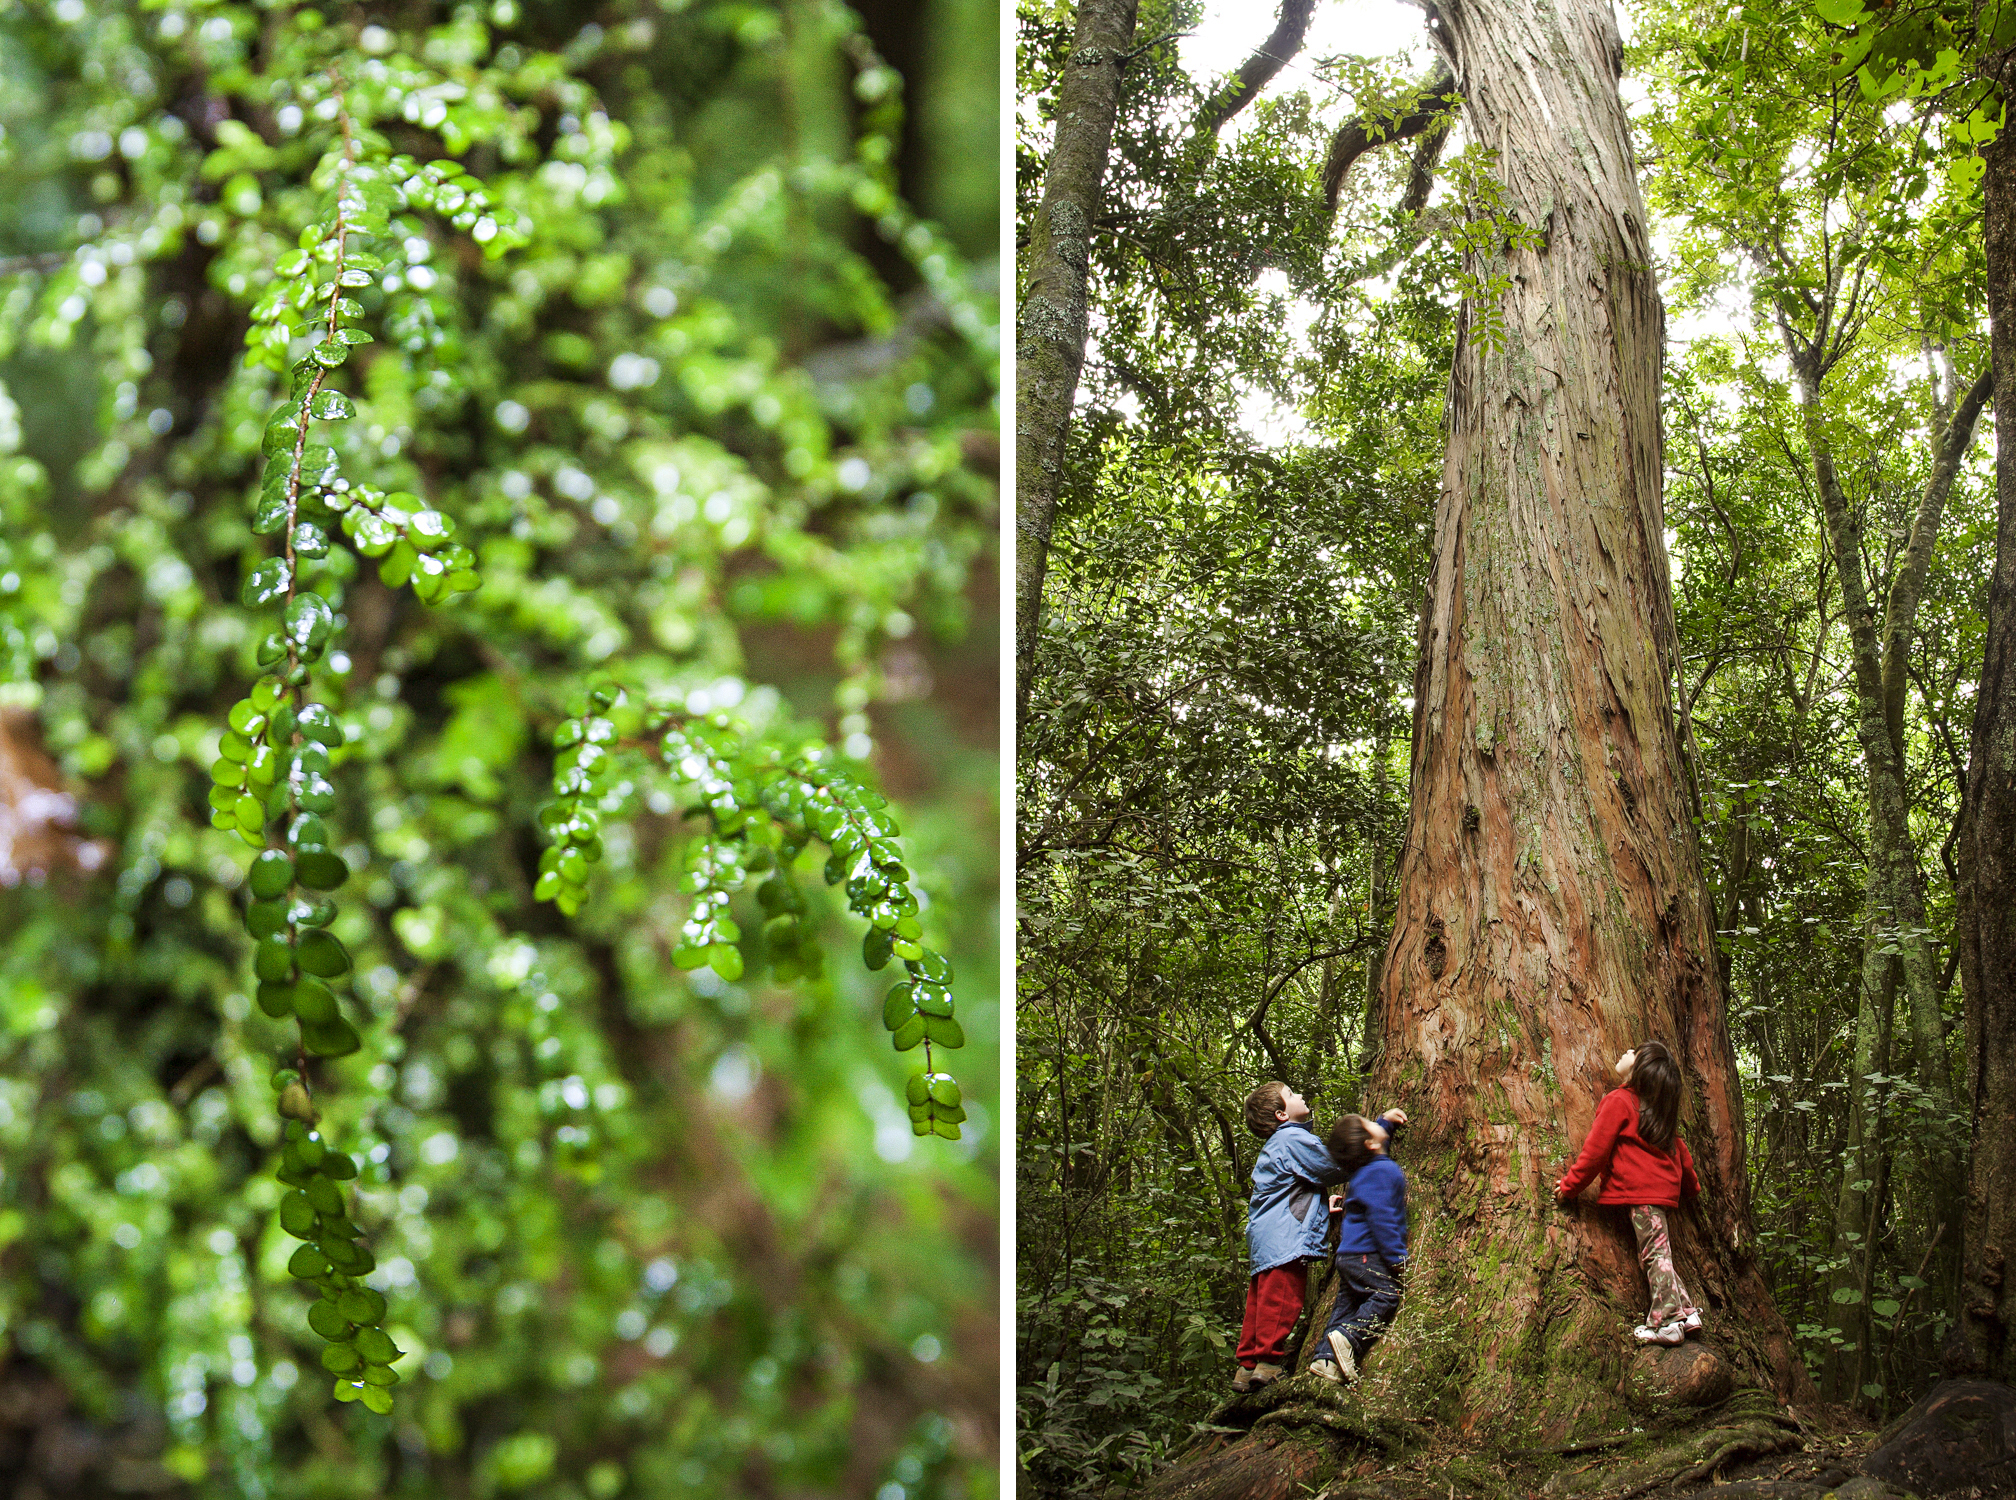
[(1645, 1167)]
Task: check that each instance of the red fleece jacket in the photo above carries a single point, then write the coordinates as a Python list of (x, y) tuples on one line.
[(1634, 1172)]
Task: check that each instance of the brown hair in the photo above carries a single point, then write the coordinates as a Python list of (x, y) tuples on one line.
[(1655, 1079), (1349, 1144), (1262, 1105)]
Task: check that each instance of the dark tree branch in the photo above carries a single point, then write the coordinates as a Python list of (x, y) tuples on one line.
[(1258, 70), (1356, 136)]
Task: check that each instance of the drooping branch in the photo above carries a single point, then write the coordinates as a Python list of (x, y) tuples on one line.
[(1435, 102), (1272, 55)]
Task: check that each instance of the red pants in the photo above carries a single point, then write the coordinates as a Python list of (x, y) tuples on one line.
[(1273, 1303)]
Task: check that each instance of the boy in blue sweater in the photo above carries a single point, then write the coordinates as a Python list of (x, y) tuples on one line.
[(1372, 1246), (1285, 1228)]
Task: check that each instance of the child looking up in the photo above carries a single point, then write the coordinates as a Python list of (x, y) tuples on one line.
[(1284, 1228), (1371, 1247), (1645, 1167)]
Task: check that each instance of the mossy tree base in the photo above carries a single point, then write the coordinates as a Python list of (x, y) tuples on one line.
[(1305, 1436)]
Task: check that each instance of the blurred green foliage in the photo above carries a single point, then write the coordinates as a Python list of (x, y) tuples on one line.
[(711, 409)]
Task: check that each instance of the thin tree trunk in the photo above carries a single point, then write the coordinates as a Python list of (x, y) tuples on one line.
[(1896, 940), (1051, 322), (1983, 1339), (1928, 1032)]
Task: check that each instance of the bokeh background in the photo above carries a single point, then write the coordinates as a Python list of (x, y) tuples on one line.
[(644, 1232)]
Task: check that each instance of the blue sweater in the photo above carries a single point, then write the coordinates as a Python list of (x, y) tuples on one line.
[(1375, 1213)]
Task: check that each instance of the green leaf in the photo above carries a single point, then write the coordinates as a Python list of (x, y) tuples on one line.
[(337, 1038), (313, 1001), (272, 872), (341, 1358), (897, 1006), (297, 1215), (265, 583), (328, 1321), (309, 621), (321, 954), (273, 959)]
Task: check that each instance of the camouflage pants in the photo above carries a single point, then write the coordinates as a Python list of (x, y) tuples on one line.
[(1655, 1254)]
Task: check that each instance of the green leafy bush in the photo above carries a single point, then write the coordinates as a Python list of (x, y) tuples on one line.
[(472, 458)]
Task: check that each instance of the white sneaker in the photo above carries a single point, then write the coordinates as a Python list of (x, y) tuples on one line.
[(1327, 1368), (1347, 1362), (1691, 1323), (1671, 1333)]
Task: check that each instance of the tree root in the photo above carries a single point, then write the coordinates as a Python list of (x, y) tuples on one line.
[(1693, 1458)]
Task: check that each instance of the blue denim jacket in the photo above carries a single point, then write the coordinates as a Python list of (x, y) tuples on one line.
[(1288, 1211)]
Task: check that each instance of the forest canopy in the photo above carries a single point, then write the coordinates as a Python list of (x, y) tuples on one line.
[(497, 737)]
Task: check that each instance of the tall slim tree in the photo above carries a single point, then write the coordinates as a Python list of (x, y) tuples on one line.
[(1988, 858), (1051, 312)]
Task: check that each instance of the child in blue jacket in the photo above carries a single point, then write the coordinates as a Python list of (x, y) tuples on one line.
[(1371, 1247), (1286, 1220)]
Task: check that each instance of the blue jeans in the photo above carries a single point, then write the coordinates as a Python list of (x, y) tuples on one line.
[(1367, 1298)]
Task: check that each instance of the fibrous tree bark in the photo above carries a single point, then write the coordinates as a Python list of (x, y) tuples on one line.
[(1051, 318), (1551, 910), (1986, 1336)]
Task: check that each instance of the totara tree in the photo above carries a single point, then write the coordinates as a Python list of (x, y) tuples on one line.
[(1550, 909)]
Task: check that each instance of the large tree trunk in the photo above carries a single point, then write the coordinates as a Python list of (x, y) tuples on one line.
[(1051, 320), (1984, 1339), (1551, 908)]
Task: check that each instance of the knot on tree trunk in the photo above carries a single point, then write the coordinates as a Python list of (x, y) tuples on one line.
[(1689, 1374)]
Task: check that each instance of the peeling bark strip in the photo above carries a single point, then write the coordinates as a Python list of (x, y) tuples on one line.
[(1566, 918), (1986, 1337), (1050, 325)]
